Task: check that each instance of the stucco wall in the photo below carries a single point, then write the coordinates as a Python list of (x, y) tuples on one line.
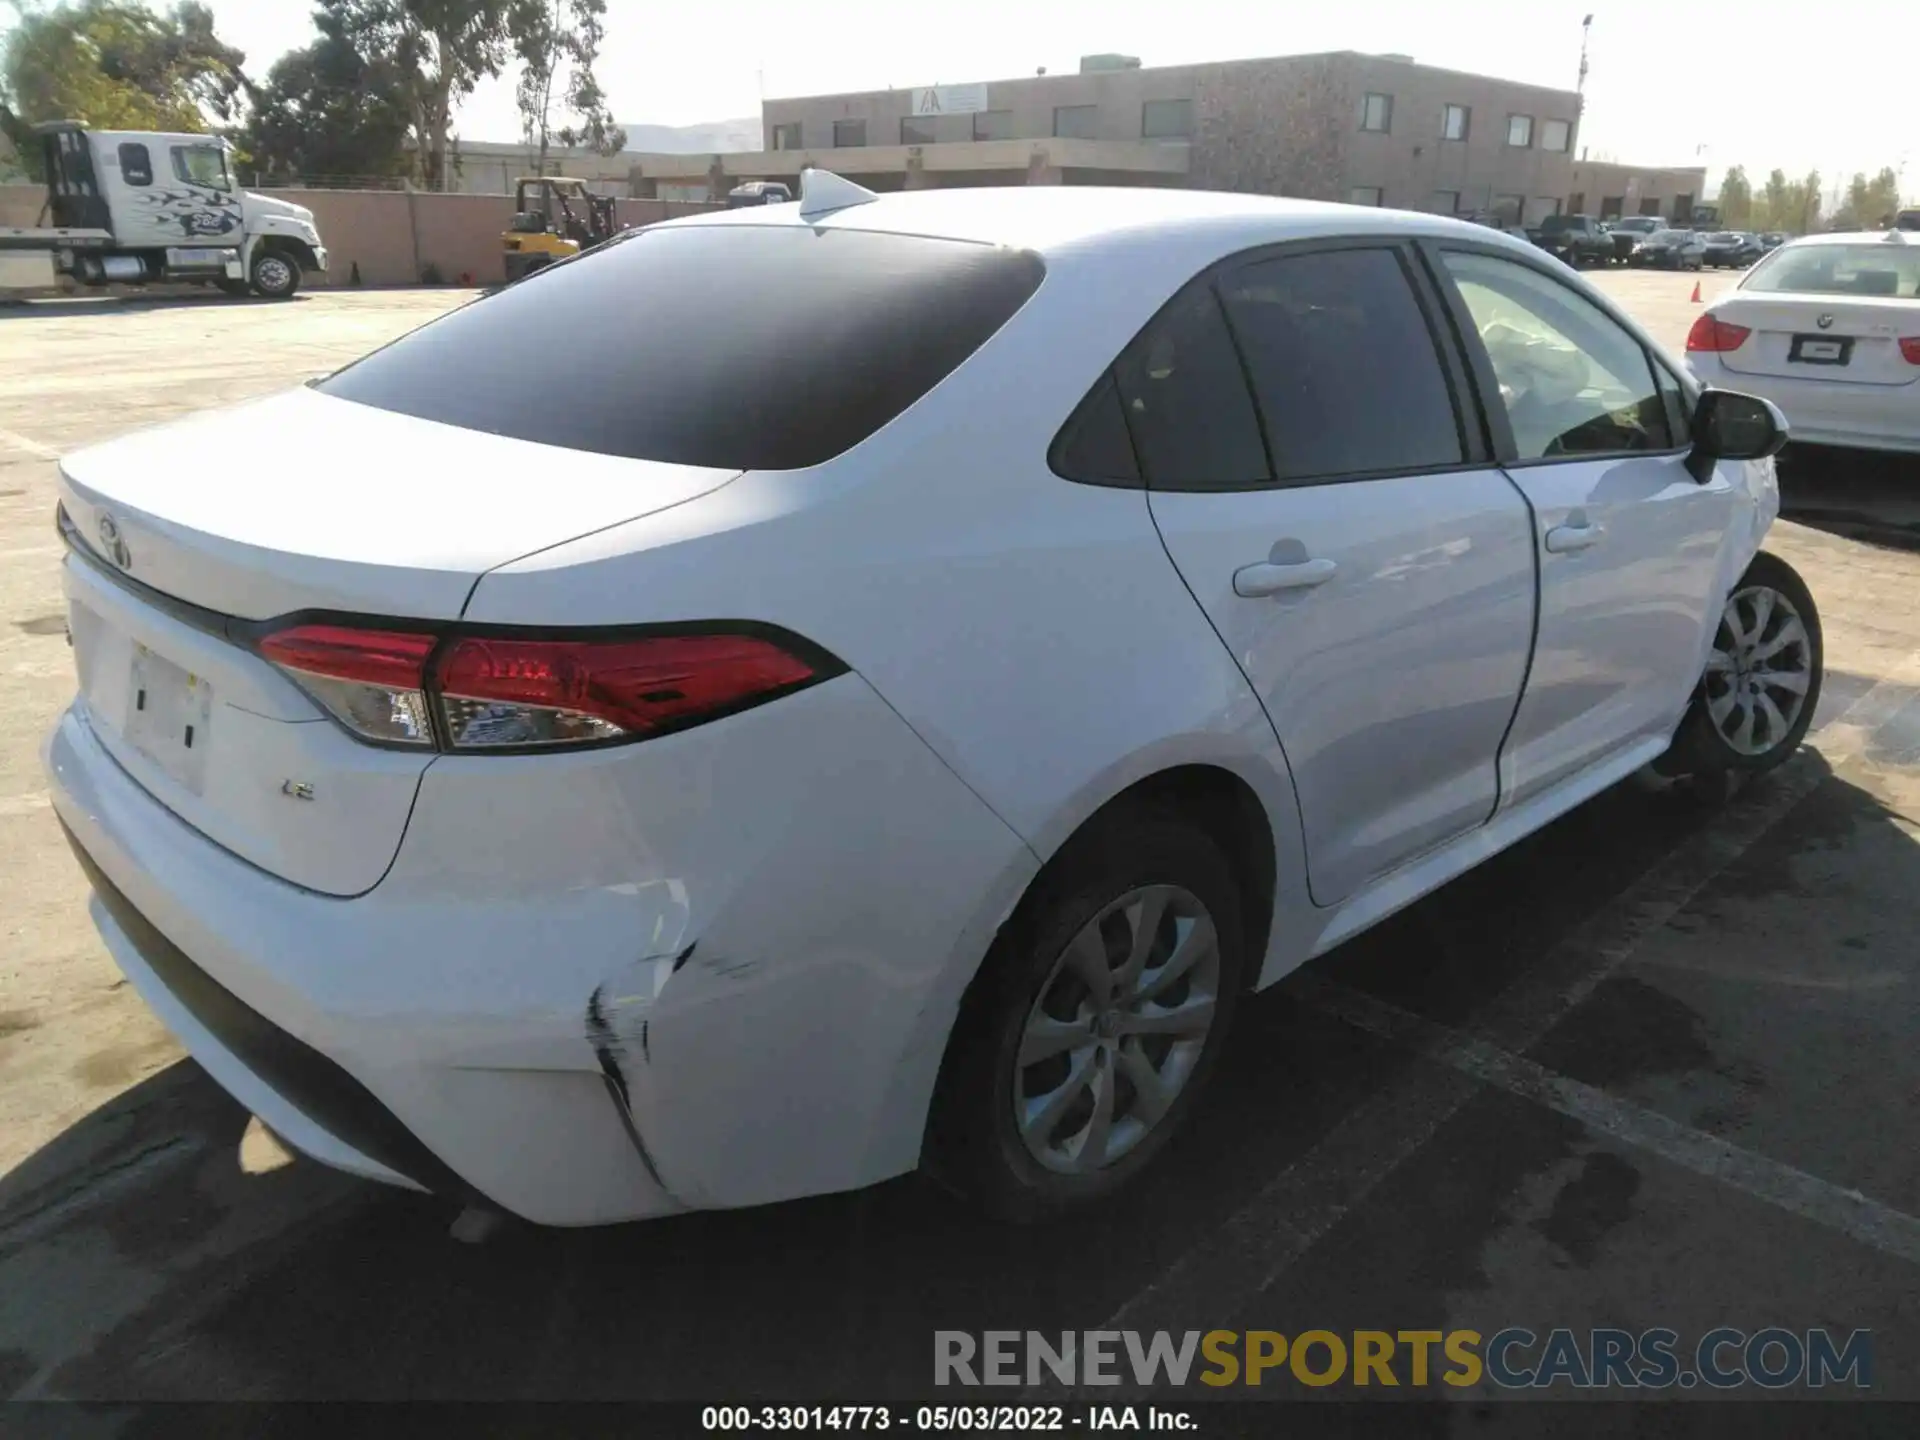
[(393, 236), (1272, 127)]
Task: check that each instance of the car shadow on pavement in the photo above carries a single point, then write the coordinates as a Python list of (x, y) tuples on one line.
[(325, 1288), (1854, 494)]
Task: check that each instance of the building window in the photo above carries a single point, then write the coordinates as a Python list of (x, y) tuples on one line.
[(1650, 207), (1554, 134), (136, 165), (1520, 131), (787, 136), (847, 134), (935, 129), (1365, 195), (1454, 120), (1577, 203), (1612, 207), (1076, 122), (1376, 113), (1683, 208), (1166, 120), (993, 125), (1446, 202)]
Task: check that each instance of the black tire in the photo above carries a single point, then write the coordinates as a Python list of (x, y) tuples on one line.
[(1701, 749), (275, 276), (973, 1144)]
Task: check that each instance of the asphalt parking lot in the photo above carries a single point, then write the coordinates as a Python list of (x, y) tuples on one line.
[(1656, 1066)]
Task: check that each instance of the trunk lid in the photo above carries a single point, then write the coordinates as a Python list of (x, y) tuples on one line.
[(1864, 330), (303, 502)]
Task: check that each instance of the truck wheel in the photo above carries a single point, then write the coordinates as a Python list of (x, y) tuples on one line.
[(275, 276)]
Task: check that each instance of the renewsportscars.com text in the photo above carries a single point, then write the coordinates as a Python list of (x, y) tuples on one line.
[(1512, 1358)]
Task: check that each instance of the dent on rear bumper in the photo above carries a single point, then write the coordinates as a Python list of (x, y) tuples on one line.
[(715, 969)]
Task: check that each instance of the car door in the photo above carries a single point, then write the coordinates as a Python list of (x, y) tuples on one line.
[(1314, 476), (1592, 427)]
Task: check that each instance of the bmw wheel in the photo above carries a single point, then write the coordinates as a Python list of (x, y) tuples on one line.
[(1095, 1022), (1762, 681), (275, 276)]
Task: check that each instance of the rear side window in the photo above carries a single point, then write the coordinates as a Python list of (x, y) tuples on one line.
[(136, 166), (1344, 367), (1186, 400), (749, 347), (1094, 446)]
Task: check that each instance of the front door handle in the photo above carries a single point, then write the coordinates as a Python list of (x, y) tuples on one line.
[(1268, 578), (1565, 539)]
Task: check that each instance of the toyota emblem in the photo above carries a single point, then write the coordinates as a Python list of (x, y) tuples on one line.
[(1825, 322), (113, 543)]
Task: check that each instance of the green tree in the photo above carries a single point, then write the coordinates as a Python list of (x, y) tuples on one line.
[(1774, 203), (329, 110), (437, 50), (558, 42), (116, 66), (1869, 204), (1736, 199)]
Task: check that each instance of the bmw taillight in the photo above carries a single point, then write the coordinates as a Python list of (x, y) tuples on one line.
[(513, 691), (1715, 335), (1910, 349)]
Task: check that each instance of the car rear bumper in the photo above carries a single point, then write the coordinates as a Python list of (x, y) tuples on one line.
[(1821, 412), (718, 974)]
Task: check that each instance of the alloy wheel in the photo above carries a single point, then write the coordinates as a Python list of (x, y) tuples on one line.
[(1117, 1029), (273, 274), (1759, 670)]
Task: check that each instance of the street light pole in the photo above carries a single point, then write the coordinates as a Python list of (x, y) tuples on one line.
[(1580, 86)]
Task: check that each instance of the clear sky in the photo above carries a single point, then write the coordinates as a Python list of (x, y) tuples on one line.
[(1671, 81)]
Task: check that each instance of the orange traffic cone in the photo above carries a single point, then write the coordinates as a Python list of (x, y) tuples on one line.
[(1696, 292)]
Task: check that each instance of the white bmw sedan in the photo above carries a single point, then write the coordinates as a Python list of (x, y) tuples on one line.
[(885, 685), (1828, 328)]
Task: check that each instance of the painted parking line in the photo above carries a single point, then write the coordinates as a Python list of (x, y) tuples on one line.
[(1304, 1201), (30, 446), (1890, 1231)]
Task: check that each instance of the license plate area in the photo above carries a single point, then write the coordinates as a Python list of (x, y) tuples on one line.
[(169, 717), (1820, 350)]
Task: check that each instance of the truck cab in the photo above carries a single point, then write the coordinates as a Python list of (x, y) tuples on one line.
[(131, 207), (1579, 240)]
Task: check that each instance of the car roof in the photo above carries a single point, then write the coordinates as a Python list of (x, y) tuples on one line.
[(1054, 220), (1858, 237)]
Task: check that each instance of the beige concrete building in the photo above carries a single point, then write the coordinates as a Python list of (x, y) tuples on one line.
[(1368, 129), (1611, 191), (1374, 129)]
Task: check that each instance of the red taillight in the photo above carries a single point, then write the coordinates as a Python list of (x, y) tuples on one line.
[(371, 681), (1715, 335), (1910, 349), (495, 692)]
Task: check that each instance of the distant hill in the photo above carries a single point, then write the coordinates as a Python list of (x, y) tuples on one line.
[(714, 138)]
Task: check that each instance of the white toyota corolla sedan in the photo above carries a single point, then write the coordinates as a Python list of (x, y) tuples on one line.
[(1828, 328), (884, 685)]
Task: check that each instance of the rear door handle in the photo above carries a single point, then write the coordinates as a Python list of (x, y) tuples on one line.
[(1268, 578), (1565, 539)]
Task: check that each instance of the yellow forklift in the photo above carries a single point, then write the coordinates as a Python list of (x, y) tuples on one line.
[(554, 217)]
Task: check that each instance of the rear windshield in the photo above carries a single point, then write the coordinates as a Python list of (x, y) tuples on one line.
[(749, 347), (1891, 271)]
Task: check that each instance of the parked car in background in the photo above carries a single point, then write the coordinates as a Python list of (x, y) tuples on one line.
[(1907, 220), (1580, 240), (1669, 250), (1828, 328), (1732, 249), (1629, 232), (1772, 240), (655, 841)]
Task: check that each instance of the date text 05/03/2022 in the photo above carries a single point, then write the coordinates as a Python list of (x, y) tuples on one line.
[(992, 1419)]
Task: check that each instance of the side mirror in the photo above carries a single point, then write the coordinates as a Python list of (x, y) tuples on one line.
[(1730, 426)]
